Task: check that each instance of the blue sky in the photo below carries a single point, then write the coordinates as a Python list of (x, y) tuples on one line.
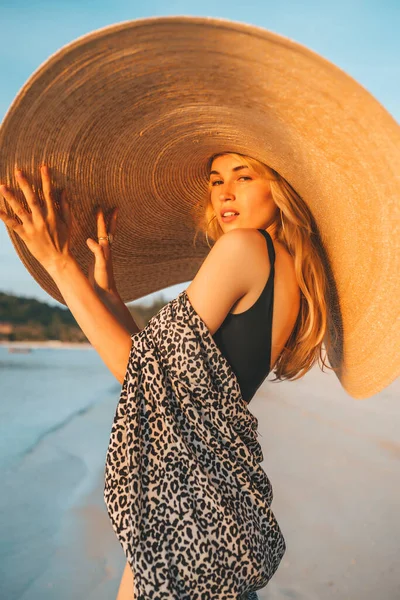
[(359, 37)]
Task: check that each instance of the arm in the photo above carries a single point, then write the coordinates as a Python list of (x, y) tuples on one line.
[(109, 338), (225, 276), (46, 233), (101, 272), (118, 308)]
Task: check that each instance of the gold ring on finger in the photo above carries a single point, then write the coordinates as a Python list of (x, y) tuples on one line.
[(109, 237)]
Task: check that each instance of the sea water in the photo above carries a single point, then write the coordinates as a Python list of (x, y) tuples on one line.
[(56, 412)]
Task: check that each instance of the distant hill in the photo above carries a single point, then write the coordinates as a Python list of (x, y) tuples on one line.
[(28, 319)]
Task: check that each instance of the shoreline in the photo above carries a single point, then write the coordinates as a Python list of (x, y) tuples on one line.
[(35, 345)]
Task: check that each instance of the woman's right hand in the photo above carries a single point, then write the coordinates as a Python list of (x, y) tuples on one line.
[(101, 274)]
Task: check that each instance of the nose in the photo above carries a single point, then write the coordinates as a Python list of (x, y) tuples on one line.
[(226, 193)]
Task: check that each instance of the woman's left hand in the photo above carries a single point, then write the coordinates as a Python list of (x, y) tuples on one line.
[(45, 232)]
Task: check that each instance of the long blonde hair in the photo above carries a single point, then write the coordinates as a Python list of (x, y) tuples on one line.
[(295, 228)]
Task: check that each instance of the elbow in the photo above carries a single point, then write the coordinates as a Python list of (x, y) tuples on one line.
[(121, 367), (120, 374), (120, 378)]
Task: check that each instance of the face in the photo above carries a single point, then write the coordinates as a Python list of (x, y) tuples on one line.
[(241, 189)]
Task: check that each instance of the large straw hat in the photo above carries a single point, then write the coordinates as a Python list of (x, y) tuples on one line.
[(129, 115)]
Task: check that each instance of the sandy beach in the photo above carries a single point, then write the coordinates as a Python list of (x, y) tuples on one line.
[(47, 344), (334, 464)]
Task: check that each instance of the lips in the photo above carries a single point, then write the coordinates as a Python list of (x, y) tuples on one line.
[(229, 219), (225, 210)]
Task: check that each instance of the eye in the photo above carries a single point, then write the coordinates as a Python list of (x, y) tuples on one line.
[(219, 181)]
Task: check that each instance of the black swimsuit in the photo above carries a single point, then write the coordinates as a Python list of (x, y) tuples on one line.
[(245, 338)]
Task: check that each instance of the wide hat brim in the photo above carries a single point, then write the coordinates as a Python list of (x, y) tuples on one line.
[(129, 115)]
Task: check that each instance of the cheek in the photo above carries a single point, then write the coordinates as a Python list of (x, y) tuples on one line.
[(263, 195), (257, 198)]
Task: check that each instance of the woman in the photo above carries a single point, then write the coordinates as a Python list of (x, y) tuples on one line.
[(236, 272), (232, 278)]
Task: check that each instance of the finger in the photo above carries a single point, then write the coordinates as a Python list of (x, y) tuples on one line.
[(113, 221), (97, 251), (66, 209), (11, 223), (30, 196), (48, 192), (91, 270), (16, 206), (101, 225), (102, 232)]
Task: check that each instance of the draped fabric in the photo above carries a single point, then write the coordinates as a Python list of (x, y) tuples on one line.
[(184, 488)]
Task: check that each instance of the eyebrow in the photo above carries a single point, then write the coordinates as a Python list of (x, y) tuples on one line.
[(234, 169)]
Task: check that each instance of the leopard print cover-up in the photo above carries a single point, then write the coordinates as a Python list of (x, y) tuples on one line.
[(184, 489)]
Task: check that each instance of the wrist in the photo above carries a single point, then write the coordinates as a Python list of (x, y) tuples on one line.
[(113, 301), (59, 265), (110, 296)]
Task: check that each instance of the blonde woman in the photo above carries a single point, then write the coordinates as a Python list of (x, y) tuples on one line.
[(256, 312), (260, 291)]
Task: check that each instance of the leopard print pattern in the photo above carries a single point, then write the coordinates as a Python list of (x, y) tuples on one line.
[(184, 489)]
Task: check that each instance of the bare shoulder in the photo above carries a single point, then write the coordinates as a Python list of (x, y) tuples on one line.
[(226, 275)]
